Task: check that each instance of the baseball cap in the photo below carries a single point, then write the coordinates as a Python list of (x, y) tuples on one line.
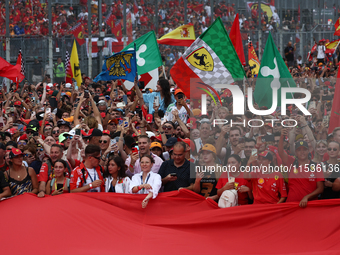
[(149, 118), (155, 144), (95, 132), (171, 142), (209, 147), (63, 122), (190, 143), (106, 132), (301, 143), (266, 155), (178, 91), (113, 120), (17, 103), (15, 152), (62, 137), (158, 138)]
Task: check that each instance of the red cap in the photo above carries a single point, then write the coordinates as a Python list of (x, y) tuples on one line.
[(15, 152), (103, 114), (149, 118), (158, 137), (17, 103), (193, 123), (12, 131), (106, 132), (23, 137), (190, 143)]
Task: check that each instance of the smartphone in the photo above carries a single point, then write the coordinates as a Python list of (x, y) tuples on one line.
[(77, 131), (126, 123), (326, 120), (312, 104), (241, 140), (173, 174), (120, 122), (125, 99), (253, 152), (180, 96), (112, 142), (156, 101), (268, 138), (116, 92), (187, 101), (48, 110), (86, 93), (134, 150)]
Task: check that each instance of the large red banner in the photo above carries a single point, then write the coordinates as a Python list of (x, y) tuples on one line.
[(174, 223)]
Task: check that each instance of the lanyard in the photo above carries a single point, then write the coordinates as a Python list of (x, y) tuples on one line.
[(55, 184), (147, 178), (94, 177)]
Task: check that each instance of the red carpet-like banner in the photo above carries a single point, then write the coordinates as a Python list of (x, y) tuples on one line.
[(174, 223)]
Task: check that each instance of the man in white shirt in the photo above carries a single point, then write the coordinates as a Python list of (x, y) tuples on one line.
[(181, 106), (276, 17), (321, 49), (133, 162)]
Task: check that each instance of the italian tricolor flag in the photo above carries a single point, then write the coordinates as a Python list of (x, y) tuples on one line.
[(210, 60)]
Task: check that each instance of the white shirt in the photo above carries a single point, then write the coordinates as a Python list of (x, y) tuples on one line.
[(153, 179), (182, 113), (92, 176), (137, 169), (207, 10), (122, 185), (321, 52), (276, 18)]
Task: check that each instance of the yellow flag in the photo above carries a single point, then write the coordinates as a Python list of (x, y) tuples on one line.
[(181, 36), (74, 61)]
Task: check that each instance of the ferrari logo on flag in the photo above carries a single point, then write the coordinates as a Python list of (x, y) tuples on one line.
[(81, 35), (201, 59)]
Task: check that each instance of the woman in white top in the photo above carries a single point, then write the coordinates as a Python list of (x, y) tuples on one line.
[(146, 182), (116, 179)]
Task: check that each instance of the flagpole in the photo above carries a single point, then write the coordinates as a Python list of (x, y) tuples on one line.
[(89, 23), (135, 48), (124, 21)]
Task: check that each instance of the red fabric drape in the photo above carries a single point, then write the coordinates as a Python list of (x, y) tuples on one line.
[(174, 223)]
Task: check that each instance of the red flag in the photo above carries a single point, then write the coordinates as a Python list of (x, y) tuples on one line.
[(78, 32), (198, 8), (129, 27), (272, 2), (311, 53), (334, 120), (69, 73), (110, 21), (337, 27), (236, 39), (12, 72), (135, 7), (117, 31)]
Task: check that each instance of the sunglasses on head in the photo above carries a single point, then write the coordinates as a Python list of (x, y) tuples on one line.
[(102, 141), (332, 149)]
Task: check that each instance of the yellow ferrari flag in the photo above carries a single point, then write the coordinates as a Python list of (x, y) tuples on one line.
[(181, 36), (74, 61)]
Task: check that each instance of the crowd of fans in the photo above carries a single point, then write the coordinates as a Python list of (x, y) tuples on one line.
[(100, 137), (31, 17)]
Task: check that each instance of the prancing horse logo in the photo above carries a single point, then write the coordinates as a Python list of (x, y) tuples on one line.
[(201, 59)]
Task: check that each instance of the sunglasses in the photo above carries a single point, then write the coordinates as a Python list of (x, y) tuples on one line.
[(56, 132), (28, 155), (102, 141), (21, 143), (167, 127), (69, 137), (40, 149), (332, 149), (98, 158)]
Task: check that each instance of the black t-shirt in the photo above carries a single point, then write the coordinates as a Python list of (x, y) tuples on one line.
[(208, 184), (328, 193), (290, 56), (3, 182), (183, 175)]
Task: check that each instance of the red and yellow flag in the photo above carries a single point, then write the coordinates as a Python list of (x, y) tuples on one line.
[(337, 27), (78, 31), (181, 36), (253, 61), (331, 46)]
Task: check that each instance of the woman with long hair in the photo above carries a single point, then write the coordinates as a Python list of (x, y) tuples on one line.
[(60, 183), (320, 150), (233, 179), (21, 179), (115, 176), (146, 182), (165, 98)]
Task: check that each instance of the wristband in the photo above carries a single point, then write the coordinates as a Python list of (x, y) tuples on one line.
[(138, 188), (90, 185), (131, 165)]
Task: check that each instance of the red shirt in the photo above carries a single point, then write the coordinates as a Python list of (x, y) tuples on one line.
[(268, 188), (43, 174), (77, 173), (239, 181), (302, 181)]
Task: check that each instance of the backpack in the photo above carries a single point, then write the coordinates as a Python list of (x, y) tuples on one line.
[(228, 198)]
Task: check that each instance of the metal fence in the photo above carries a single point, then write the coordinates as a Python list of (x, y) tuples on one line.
[(38, 47)]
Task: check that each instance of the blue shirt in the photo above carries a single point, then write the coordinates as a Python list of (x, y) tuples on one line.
[(18, 30), (150, 98)]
